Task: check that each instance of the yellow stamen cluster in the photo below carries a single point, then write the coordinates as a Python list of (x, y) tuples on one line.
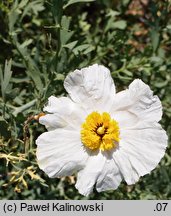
[(99, 131)]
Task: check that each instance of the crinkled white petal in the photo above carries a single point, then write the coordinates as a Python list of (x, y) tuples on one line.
[(55, 104), (102, 171), (122, 160), (110, 177), (60, 152), (64, 113), (138, 100), (92, 87), (140, 150), (88, 176)]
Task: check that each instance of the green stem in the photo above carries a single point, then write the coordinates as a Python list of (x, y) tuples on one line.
[(120, 69)]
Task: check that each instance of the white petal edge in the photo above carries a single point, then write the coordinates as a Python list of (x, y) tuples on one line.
[(101, 172), (88, 176), (138, 100), (63, 113), (140, 150), (92, 87), (110, 177)]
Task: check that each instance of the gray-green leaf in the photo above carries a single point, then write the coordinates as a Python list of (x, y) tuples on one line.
[(70, 2)]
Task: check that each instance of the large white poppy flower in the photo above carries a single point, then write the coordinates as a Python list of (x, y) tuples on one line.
[(103, 135)]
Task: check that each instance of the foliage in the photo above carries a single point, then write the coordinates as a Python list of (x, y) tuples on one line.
[(41, 41)]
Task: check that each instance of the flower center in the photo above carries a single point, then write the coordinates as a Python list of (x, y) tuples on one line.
[(99, 131)]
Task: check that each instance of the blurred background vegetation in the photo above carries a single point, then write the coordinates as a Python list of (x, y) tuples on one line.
[(40, 42)]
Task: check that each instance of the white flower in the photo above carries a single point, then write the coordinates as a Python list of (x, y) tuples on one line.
[(103, 135)]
